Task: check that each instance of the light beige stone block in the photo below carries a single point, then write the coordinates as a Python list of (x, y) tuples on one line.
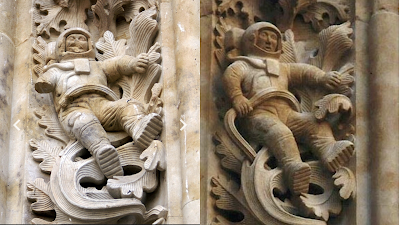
[(8, 17), (384, 115), (6, 79)]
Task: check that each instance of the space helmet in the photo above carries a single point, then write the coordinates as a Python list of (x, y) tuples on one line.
[(248, 41), (61, 52)]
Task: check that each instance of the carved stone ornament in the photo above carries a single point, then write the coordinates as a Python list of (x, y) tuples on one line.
[(103, 153), (287, 112)]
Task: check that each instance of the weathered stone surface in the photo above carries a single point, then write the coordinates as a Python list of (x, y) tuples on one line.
[(7, 46), (38, 116), (373, 121), (384, 114), (187, 33), (6, 78)]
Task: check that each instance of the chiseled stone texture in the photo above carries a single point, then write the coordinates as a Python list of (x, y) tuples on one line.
[(363, 209), (7, 17), (7, 30), (182, 174), (6, 78), (376, 159), (384, 113), (187, 49)]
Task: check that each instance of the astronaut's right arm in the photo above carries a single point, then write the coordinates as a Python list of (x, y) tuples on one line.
[(125, 65), (232, 81), (46, 82)]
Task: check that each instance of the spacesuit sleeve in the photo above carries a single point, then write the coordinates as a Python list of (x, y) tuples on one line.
[(47, 81), (119, 66), (304, 74), (232, 79)]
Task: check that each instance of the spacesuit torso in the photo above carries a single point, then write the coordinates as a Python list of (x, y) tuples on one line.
[(70, 79), (249, 76)]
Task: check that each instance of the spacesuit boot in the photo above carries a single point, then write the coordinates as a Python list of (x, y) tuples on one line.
[(296, 172), (146, 129), (88, 130), (108, 160), (336, 154)]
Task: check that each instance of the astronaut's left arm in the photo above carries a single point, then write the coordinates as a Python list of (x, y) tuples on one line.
[(46, 83), (304, 74), (124, 66)]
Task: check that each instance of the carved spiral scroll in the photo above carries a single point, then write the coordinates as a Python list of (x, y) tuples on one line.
[(70, 198), (258, 186)]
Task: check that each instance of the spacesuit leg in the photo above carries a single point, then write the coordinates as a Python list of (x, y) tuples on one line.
[(85, 126), (334, 154), (267, 129), (130, 116)]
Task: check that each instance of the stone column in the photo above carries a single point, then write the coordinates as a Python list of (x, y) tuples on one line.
[(207, 106), (7, 24), (21, 115), (186, 15), (384, 111), (363, 158), (180, 40), (170, 133)]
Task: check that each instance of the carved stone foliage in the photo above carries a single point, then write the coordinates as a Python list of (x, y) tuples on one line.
[(105, 156), (63, 14), (287, 118), (241, 14)]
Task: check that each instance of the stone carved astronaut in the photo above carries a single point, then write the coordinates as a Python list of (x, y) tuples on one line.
[(275, 123), (87, 108)]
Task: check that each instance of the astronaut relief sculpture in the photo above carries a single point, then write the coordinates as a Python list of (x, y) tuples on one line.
[(286, 133), (107, 114)]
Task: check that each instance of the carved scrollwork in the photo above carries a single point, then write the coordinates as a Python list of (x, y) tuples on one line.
[(241, 14), (107, 11), (278, 173), (324, 13), (59, 15), (100, 172)]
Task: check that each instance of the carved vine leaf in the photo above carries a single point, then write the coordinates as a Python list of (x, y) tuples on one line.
[(155, 104), (133, 186), (230, 200), (141, 86), (244, 13), (231, 156), (333, 206), (334, 42), (289, 8), (38, 192), (107, 11), (345, 180), (143, 30), (156, 215), (220, 29), (346, 80), (50, 15), (232, 7), (333, 103), (335, 10), (107, 47), (52, 126), (45, 154), (289, 53), (326, 204), (155, 156), (39, 55)]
